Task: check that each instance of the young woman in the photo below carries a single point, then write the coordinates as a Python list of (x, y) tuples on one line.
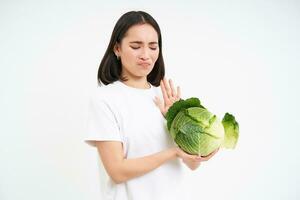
[(126, 115)]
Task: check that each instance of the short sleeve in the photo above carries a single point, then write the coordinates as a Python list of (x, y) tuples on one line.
[(102, 124)]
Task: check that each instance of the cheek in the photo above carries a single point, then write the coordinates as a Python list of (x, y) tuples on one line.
[(155, 55), (131, 56)]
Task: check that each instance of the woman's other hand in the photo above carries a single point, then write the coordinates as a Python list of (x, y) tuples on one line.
[(193, 161), (170, 95)]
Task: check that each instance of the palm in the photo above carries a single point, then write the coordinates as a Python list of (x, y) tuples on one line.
[(170, 96)]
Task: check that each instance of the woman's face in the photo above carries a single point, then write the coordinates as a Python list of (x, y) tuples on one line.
[(138, 51)]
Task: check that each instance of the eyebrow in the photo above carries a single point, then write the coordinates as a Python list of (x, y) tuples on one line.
[(140, 42)]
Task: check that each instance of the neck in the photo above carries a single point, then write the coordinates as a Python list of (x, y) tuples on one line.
[(141, 83)]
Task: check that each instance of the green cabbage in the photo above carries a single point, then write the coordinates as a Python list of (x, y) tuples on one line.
[(197, 131)]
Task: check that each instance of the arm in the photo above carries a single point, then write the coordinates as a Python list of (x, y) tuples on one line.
[(121, 169), (170, 96)]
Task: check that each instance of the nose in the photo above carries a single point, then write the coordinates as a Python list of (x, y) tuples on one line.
[(144, 54)]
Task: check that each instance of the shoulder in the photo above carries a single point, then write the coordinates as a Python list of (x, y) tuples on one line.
[(104, 93)]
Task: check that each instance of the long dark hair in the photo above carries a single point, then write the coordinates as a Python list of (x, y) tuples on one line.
[(110, 67)]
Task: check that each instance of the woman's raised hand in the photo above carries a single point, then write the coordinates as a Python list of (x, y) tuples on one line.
[(170, 95)]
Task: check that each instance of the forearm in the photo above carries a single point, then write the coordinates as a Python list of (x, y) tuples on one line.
[(130, 168)]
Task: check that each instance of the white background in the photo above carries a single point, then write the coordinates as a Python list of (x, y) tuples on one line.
[(240, 57)]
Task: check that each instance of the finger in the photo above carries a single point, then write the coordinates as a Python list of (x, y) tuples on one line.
[(164, 92), (198, 159), (192, 161), (188, 156), (167, 87), (195, 158), (205, 159), (178, 93), (173, 91)]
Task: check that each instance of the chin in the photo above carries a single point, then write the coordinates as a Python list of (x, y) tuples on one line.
[(143, 73)]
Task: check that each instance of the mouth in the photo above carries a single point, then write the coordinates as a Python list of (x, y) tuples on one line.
[(146, 65)]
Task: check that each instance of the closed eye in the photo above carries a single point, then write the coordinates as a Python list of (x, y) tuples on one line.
[(152, 48)]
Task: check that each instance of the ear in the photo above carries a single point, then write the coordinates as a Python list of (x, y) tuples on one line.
[(117, 49)]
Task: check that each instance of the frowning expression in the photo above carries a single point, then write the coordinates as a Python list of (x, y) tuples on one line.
[(138, 51)]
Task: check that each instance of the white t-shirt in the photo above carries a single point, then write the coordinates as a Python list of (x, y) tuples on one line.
[(118, 112)]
